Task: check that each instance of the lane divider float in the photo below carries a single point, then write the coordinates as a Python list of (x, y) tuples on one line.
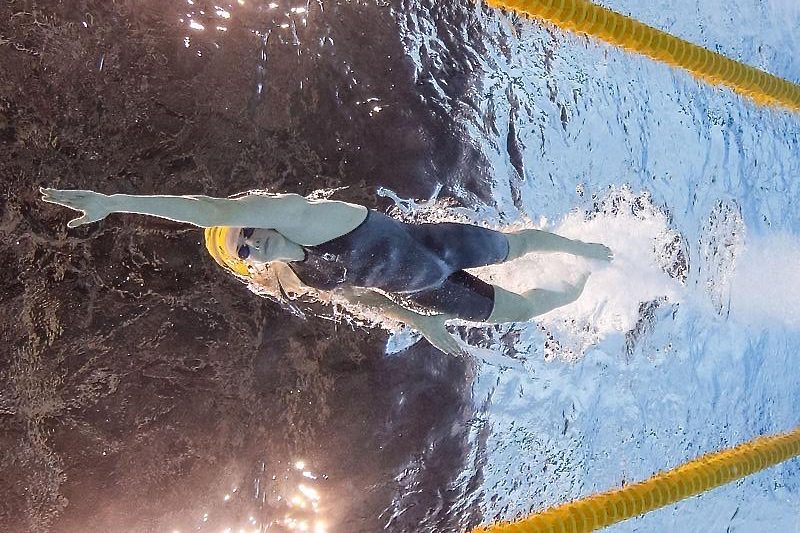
[(585, 17)]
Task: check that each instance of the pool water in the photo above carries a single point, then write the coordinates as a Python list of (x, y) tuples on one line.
[(142, 389), (682, 345)]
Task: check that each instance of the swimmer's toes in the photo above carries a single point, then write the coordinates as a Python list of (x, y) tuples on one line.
[(599, 251)]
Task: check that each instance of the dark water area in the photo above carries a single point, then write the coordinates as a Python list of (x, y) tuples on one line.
[(141, 388)]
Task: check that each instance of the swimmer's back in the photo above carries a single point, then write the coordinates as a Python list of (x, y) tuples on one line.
[(394, 256)]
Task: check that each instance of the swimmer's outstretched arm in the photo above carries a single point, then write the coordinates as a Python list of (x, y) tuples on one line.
[(306, 222)]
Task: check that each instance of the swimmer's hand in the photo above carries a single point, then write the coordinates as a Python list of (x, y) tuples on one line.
[(432, 327), (93, 205)]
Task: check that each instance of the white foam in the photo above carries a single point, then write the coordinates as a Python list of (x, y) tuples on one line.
[(612, 297)]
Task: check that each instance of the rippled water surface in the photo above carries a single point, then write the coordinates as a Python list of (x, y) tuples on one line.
[(141, 389)]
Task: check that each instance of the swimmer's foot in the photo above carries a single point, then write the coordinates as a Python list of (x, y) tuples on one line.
[(526, 241), (593, 250)]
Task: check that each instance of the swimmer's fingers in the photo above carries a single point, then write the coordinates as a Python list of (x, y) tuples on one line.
[(54, 196), (445, 343), (454, 348), (77, 200), (93, 205), (433, 329)]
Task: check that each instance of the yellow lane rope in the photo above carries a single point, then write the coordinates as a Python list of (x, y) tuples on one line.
[(585, 17), (701, 474)]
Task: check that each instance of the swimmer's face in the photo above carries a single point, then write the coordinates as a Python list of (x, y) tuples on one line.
[(258, 246)]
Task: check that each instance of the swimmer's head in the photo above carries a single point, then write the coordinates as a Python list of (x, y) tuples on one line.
[(221, 244), (240, 250)]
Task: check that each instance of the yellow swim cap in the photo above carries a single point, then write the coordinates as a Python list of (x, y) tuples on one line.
[(220, 243)]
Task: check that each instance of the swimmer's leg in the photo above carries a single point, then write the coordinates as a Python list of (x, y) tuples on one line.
[(533, 240), (461, 245), (513, 307)]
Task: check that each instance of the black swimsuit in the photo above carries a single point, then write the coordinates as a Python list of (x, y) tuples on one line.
[(422, 262)]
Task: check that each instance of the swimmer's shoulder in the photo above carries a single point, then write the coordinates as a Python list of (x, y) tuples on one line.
[(308, 222)]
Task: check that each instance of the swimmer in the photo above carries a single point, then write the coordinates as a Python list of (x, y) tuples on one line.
[(413, 273)]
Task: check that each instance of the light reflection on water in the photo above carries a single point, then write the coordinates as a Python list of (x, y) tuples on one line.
[(295, 492), (287, 22), (212, 16)]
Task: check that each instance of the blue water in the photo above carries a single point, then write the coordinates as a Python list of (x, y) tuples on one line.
[(689, 342)]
